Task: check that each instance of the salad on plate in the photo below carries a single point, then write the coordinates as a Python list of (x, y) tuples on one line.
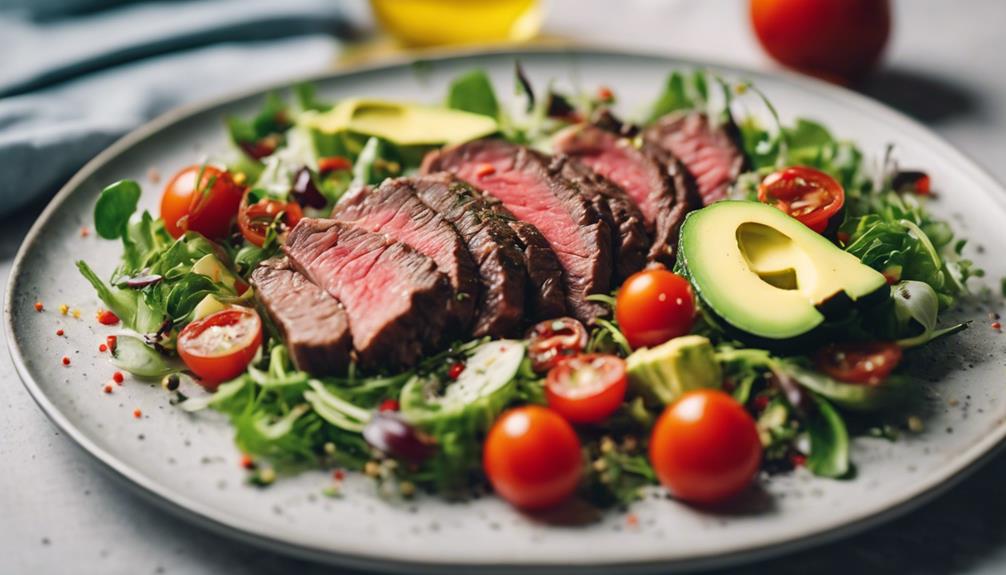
[(547, 300)]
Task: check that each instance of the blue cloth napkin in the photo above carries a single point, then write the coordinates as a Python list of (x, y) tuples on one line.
[(76, 75)]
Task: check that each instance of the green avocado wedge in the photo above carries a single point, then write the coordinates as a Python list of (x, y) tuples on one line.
[(403, 124), (766, 277)]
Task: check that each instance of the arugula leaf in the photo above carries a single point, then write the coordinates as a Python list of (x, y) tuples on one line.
[(917, 303), (138, 358), (305, 94), (115, 206), (681, 92), (473, 92), (829, 441), (123, 303)]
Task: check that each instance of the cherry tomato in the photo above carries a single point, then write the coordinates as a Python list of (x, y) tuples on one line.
[(329, 164), (837, 41), (705, 447), (532, 457), (868, 362), (654, 306), (554, 339), (808, 195), (254, 220), (220, 346), (587, 388), (208, 209)]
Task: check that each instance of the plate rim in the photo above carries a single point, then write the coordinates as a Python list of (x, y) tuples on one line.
[(938, 482)]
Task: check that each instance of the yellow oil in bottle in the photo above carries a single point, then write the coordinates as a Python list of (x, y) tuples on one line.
[(442, 22)]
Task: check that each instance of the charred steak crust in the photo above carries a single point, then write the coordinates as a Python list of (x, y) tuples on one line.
[(394, 209), (712, 154), (522, 181), (395, 298), (313, 324), (493, 245), (546, 289), (647, 174), (630, 241)]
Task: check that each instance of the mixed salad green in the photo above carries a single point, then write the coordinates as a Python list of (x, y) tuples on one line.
[(461, 417)]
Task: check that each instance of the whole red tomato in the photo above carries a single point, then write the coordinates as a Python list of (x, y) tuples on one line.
[(207, 207), (532, 457), (705, 448), (654, 306), (838, 40)]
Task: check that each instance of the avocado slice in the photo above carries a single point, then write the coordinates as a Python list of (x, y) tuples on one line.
[(767, 276), (403, 124), (661, 374)]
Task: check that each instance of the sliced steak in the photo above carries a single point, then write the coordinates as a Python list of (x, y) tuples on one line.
[(543, 268), (503, 248), (655, 181), (313, 323), (711, 153), (396, 300), (394, 209), (629, 239), (522, 181)]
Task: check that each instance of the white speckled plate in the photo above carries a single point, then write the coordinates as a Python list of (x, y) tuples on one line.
[(189, 463)]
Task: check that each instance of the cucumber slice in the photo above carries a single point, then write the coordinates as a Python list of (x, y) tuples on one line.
[(481, 391)]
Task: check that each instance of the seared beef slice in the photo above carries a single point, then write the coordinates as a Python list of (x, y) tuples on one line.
[(654, 180), (313, 324), (629, 239), (396, 300), (493, 245), (709, 152), (522, 181), (394, 209)]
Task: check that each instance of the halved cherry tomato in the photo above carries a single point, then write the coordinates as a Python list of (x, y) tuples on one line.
[(554, 339), (705, 447), (654, 306), (207, 208), (532, 457), (808, 195), (254, 220), (587, 388), (220, 346), (869, 363)]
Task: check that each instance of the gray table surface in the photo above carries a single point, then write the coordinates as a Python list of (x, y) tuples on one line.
[(60, 513)]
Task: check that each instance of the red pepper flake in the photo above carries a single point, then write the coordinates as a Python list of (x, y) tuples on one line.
[(107, 317), (108, 388), (485, 170), (455, 371), (338, 475), (331, 164), (389, 405), (59, 332), (137, 413), (118, 378), (998, 326), (111, 341), (84, 231), (605, 94), (798, 460), (761, 402), (632, 520), (246, 461), (66, 360), (102, 348), (38, 306)]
